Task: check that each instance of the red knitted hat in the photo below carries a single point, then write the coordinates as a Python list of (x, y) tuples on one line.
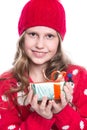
[(48, 13)]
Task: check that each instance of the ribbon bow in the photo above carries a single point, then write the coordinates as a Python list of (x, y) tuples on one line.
[(60, 76)]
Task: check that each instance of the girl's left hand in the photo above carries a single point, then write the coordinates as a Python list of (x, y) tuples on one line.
[(65, 98)]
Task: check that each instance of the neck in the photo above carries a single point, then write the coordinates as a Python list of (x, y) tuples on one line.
[(36, 73)]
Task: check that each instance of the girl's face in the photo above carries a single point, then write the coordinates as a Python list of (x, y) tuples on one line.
[(41, 44)]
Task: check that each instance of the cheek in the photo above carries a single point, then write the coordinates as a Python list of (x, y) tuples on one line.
[(54, 47), (27, 42), (26, 47)]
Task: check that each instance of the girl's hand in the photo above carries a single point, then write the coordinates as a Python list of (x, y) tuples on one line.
[(44, 108), (66, 97)]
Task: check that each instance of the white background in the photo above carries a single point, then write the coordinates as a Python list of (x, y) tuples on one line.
[(75, 41)]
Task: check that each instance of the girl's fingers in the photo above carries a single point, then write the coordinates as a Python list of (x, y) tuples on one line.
[(34, 102), (29, 97), (56, 107), (69, 86), (68, 94), (63, 98), (49, 106), (43, 103)]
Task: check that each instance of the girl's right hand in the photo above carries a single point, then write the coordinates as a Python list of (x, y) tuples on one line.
[(44, 108)]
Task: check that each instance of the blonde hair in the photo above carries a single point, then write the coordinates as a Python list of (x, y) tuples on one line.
[(21, 63)]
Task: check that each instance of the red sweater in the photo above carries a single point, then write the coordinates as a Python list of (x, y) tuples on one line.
[(72, 117)]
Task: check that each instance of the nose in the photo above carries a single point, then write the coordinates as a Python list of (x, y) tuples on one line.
[(40, 43)]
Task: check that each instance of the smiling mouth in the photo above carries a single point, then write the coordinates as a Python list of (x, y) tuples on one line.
[(39, 54)]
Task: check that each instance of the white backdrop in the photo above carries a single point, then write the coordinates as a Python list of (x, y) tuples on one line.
[(75, 40)]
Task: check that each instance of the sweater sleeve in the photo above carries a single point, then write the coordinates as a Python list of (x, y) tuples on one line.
[(36, 122), (11, 119), (75, 117)]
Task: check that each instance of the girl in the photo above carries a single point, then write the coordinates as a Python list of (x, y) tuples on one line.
[(42, 27)]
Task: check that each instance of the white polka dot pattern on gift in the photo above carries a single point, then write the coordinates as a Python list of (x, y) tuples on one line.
[(75, 72), (85, 92), (4, 98), (66, 127), (11, 127), (81, 125)]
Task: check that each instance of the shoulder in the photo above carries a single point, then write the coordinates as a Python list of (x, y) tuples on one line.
[(7, 80), (6, 74), (74, 69)]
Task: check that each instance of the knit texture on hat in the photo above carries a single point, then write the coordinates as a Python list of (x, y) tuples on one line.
[(49, 13)]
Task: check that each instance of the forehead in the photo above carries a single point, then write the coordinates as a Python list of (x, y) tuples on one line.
[(43, 29)]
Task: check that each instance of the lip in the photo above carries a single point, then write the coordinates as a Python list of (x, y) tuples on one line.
[(39, 54)]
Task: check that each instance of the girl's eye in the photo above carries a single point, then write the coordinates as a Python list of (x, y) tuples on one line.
[(32, 34), (50, 36)]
